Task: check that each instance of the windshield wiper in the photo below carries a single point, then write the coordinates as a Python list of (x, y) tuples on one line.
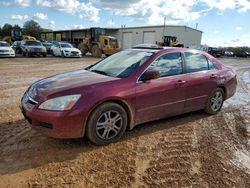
[(100, 72)]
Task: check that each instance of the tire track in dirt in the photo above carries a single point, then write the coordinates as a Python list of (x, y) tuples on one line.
[(171, 164), (217, 143), (144, 154), (93, 167)]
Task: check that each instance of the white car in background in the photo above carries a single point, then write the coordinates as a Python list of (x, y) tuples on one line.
[(65, 49), (6, 50)]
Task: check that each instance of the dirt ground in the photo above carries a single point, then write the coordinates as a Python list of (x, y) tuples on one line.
[(191, 150)]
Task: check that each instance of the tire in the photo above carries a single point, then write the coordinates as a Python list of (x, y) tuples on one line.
[(83, 48), (96, 51), (106, 132), (215, 101), (44, 55)]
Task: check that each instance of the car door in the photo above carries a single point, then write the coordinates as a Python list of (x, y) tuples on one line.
[(164, 96), (201, 80)]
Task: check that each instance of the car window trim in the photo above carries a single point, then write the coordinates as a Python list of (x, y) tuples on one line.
[(182, 58)]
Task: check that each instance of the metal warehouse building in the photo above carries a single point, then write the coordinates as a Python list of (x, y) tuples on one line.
[(150, 34), (130, 36)]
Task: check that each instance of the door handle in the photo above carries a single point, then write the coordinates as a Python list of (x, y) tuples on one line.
[(180, 82), (213, 76)]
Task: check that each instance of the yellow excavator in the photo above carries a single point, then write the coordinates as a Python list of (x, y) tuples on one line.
[(16, 35), (98, 43), (169, 41)]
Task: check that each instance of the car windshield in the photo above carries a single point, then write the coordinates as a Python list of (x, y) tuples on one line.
[(66, 45), (33, 43), (4, 44), (122, 64)]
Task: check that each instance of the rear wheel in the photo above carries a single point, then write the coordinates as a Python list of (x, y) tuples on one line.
[(96, 51), (215, 101), (106, 124)]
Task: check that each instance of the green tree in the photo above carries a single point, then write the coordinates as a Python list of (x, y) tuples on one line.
[(6, 30), (1, 32), (32, 28)]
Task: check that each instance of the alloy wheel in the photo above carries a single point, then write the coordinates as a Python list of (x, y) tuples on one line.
[(109, 124), (216, 101)]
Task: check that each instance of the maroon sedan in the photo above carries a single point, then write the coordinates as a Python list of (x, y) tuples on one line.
[(128, 88)]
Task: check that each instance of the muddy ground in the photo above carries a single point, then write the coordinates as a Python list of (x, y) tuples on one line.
[(191, 150)]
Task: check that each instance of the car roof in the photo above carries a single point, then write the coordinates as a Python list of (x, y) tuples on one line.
[(168, 49), (3, 42), (144, 50), (147, 46)]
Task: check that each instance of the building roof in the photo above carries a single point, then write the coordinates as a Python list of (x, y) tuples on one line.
[(118, 28), (75, 30), (154, 26)]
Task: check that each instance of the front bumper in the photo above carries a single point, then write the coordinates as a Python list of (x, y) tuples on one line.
[(7, 54), (72, 54), (36, 53), (57, 124)]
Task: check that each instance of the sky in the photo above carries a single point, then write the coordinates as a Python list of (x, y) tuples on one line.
[(223, 22)]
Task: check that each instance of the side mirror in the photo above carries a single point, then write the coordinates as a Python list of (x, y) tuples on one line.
[(150, 75)]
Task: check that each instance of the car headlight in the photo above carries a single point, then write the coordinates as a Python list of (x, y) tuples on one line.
[(60, 103)]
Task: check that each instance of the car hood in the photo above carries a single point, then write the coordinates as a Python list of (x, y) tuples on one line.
[(68, 83), (5, 48), (70, 49)]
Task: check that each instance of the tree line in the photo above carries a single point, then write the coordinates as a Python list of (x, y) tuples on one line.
[(30, 27)]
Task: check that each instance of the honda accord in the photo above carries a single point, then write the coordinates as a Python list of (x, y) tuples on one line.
[(126, 89)]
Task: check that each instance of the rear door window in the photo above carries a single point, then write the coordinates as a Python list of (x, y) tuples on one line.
[(168, 65), (195, 62)]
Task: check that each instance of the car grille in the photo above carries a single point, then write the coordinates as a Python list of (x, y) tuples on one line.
[(74, 53), (37, 50), (46, 125)]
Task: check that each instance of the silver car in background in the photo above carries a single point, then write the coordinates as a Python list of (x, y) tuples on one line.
[(32, 47)]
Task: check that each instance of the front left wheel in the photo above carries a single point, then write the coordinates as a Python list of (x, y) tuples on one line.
[(107, 124)]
